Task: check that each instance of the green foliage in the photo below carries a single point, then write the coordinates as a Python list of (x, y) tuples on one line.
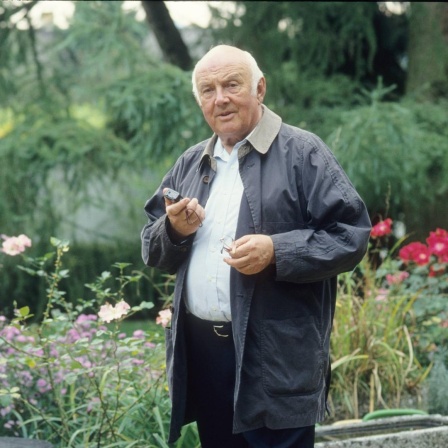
[(148, 111), (373, 358), (313, 103), (74, 381), (438, 386), (90, 121), (36, 157), (396, 157), (430, 308), (391, 325), (18, 49), (137, 110), (318, 37), (105, 42), (298, 43)]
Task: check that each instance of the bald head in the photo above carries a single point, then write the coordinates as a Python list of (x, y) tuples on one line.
[(229, 88), (221, 54)]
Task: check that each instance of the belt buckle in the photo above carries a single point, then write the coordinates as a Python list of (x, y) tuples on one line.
[(216, 329)]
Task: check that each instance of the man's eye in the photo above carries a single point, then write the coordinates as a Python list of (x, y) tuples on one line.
[(233, 87), (206, 91)]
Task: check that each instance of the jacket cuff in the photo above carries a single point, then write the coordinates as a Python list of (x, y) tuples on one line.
[(187, 241)]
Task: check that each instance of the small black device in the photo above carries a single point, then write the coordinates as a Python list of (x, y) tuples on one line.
[(172, 195)]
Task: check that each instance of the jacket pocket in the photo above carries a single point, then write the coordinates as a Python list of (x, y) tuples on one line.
[(291, 356)]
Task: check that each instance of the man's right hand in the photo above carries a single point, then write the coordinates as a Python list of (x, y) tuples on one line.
[(185, 216)]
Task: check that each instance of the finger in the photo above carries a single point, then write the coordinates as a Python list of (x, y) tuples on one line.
[(196, 212), (200, 212), (192, 217), (240, 248), (244, 266), (238, 263), (175, 208)]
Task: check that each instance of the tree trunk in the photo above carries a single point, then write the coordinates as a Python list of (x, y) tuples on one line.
[(168, 36), (428, 50)]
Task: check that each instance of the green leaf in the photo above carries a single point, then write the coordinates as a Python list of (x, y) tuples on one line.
[(121, 266), (143, 306), (54, 241), (24, 311), (31, 363)]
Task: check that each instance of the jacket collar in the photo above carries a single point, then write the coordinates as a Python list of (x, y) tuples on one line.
[(266, 131), (261, 138)]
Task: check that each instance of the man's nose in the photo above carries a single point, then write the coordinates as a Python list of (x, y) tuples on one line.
[(221, 96)]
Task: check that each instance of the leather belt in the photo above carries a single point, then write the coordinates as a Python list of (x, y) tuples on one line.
[(220, 329)]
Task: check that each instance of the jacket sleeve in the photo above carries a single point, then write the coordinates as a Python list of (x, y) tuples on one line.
[(337, 227), (158, 250)]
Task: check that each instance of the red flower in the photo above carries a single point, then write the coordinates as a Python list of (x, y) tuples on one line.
[(438, 243), (382, 228), (416, 252)]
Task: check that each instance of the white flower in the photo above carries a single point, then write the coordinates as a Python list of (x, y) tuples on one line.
[(164, 318), (109, 313), (15, 245)]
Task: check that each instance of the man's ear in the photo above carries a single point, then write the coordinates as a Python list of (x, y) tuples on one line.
[(261, 89)]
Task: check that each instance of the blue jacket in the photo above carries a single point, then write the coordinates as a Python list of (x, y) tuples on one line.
[(296, 192)]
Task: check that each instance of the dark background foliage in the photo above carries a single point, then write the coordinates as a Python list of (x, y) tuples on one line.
[(93, 115)]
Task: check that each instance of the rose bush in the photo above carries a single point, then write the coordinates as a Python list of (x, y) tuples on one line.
[(391, 322), (420, 271), (76, 379)]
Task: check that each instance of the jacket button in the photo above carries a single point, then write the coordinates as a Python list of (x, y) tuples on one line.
[(206, 179)]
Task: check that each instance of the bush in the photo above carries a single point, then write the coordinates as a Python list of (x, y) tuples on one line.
[(390, 322), (76, 379), (438, 387), (395, 155)]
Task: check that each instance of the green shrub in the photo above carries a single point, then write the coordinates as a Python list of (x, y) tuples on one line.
[(77, 379), (390, 321), (438, 386), (395, 154)]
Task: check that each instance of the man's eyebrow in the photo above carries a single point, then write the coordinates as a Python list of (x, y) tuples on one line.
[(235, 75), (204, 83)]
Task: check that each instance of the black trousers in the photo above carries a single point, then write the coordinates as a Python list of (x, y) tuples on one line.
[(211, 382)]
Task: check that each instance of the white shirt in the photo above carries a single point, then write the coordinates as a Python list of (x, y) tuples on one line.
[(208, 276)]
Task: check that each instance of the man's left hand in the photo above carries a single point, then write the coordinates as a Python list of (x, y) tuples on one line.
[(250, 254)]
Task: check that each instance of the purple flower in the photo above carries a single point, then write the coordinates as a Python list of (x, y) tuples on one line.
[(137, 362), (139, 334)]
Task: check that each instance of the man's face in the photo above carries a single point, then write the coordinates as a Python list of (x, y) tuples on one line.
[(224, 85)]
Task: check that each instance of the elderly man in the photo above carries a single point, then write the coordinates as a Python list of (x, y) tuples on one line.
[(265, 222)]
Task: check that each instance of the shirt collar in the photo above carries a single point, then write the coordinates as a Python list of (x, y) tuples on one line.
[(221, 152), (260, 138)]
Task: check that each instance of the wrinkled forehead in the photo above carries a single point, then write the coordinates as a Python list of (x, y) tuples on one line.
[(222, 62)]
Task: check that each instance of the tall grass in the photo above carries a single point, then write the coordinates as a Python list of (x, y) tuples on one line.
[(373, 359)]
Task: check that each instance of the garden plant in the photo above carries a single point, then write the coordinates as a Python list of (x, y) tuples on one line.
[(90, 118), (77, 379), (391, 324)]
